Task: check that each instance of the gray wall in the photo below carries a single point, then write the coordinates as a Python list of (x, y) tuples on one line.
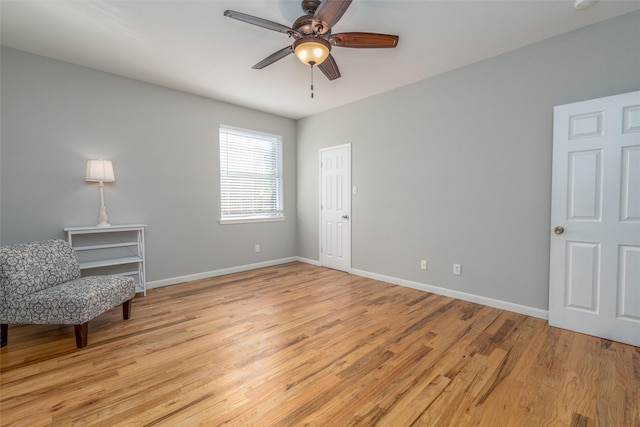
[(457, 168), (164, 147)]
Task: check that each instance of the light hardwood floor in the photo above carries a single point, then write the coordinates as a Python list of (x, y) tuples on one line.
[(296, 345)]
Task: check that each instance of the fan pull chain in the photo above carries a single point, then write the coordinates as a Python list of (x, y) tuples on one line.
[(312, 64)]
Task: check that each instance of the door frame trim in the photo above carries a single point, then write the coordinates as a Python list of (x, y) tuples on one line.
[(320, 151)]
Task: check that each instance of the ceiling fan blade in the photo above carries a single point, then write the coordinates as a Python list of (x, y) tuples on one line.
[(269, 25), (363, 40), (273, 58), (330, 11), (329, 68)]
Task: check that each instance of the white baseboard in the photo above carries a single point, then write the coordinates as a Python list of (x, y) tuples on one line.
[(308, 261), (215, 273), (503, 305)]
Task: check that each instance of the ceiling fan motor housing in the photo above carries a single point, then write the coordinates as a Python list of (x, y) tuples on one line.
[(306, 25)]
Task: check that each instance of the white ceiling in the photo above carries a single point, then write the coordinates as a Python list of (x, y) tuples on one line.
[(191, 46)]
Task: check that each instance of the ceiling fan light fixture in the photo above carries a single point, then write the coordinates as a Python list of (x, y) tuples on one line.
[(311, 50)]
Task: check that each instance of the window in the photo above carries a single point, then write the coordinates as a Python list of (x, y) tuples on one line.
[(250, 176)]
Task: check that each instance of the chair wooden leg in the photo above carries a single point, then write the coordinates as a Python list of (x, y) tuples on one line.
[(82, 332), (4, 332), (126, 309)]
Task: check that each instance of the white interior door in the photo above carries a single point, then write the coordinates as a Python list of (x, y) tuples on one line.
[(594, 284), (335, 207)]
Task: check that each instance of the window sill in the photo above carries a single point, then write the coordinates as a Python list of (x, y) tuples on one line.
[(225, 221)]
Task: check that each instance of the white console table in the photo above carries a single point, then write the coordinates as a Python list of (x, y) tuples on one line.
[(118, 247)]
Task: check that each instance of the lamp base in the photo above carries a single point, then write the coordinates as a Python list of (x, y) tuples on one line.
[(103, 218)]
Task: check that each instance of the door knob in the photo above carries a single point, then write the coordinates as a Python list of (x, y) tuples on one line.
[(558, 230), (345, 216)]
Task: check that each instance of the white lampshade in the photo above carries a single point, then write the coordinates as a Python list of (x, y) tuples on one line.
[(311, 50), (99, 171), (583, 4)]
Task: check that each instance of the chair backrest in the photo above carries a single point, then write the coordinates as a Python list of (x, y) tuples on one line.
[(31, 267)]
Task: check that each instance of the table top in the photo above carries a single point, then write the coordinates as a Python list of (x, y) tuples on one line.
[(115, 227)]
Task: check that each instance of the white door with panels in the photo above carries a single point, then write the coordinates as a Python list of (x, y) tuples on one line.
[(594, 284), (335, 207)]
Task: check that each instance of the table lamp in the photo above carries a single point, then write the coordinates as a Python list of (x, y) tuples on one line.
[(100, 171)]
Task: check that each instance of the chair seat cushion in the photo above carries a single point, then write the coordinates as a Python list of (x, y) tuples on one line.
[(74, 302)]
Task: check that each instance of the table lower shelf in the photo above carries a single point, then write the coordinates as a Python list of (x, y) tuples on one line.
[(108, 262)]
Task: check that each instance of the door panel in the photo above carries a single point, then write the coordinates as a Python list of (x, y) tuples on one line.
[(585, 185), (629, 278), (586, 125), (630, 200), (583, 274), (594, 283)]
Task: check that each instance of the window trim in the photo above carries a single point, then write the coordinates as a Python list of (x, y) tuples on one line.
[(245, 220)]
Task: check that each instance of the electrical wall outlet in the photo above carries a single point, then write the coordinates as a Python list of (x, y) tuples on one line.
[(423, 264), (257, 247), (457, 269)]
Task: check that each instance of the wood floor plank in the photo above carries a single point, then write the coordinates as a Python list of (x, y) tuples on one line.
[(296, 344)]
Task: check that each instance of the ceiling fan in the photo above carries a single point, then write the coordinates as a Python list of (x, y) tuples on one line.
[(312, 35)]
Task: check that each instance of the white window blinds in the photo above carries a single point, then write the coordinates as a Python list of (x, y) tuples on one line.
[(250, 175)]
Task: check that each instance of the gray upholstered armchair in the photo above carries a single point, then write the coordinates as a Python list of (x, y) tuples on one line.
[(40, 283)]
